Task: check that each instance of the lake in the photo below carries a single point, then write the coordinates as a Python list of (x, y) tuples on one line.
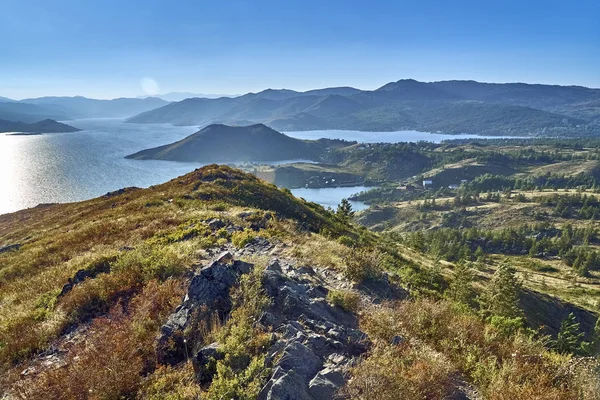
[(331, 197), (387, 137), (67, 167)]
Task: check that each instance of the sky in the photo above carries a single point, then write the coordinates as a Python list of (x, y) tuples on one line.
[(127, 48)]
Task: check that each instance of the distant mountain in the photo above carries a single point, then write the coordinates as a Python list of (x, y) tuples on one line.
[(447, 106), (83, 107), (223, 143), (45, 126), (178, 96), (4, 99), (24, 112)]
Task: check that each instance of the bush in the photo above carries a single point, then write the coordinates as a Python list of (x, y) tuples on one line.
[(346, 241), (171, 383), (363, 264), (241, 239), (345, 299)]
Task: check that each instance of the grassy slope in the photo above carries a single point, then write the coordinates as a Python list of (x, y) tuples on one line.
[(152, 238)]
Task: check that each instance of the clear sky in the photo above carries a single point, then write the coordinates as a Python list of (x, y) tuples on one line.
[(106, 48)]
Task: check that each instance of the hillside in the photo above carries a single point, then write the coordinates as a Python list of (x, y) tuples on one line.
[(299, 175), (45, 126), (28, 113), (222, 143), (219, 285), (83, 107), (448, 107)]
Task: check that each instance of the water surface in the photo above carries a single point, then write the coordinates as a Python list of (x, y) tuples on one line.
[(67, 167), (386, 137), (331, 197)]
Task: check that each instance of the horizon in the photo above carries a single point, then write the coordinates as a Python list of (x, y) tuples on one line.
[(112, 49), (217, 95)]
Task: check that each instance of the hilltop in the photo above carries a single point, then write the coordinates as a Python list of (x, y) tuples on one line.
[(45, 126), (222, 143), (449, 106), (217, 284)]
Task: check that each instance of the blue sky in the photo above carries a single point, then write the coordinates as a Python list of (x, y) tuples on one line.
[(105, 48)]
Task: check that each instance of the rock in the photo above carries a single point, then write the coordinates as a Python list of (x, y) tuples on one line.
[(326, 383), (10, 247), (397, 340), (83, 274), (285, 386), (211, 286), (204, 362), (215, 224), (301, 360), (208, 290)]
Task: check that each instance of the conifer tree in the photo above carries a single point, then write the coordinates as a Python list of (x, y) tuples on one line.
[(344, 209), (501, 296), (460, 289), (569, 337)]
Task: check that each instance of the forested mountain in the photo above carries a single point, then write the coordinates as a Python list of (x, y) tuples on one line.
[(448, 106)]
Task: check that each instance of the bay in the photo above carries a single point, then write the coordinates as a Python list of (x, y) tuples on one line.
[(68, 167)]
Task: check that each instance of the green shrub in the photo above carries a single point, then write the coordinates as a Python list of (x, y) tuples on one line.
[(241, 239), (363, 264), (507, 327), (346, 241), (345, 299)]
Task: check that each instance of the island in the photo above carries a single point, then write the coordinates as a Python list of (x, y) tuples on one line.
[(223, 143), (44, 126)]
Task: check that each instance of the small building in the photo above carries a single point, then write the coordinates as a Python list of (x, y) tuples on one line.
[(427, 183)]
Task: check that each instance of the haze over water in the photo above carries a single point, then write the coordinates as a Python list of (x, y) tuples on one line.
[(67, 167)]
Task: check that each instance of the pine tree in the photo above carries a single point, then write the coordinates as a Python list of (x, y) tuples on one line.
[(569, 337), (460, 289), (501, 296), (344, 209), (479, 254)]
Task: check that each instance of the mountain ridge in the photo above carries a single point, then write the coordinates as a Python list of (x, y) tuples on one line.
[(445, 106)]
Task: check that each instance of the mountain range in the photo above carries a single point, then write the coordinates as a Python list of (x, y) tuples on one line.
[(222, 143), (178, 96), (446, 106), (68, 108)]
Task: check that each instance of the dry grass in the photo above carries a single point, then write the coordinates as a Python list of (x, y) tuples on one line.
[(405, 371), (118, 349), (500, 367)]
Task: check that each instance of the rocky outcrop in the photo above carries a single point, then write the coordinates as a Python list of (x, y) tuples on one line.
[(313, 344), (208, 290), (100, 267), (317, 343), (10, 247)]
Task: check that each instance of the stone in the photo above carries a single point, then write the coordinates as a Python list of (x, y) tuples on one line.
[(286, 386), (300, 359), (215, 224), (208, 289), (397, 340), (325, 384), (204, 362), (10, 247)]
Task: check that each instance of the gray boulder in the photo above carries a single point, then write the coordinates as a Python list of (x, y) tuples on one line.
[(326, 383), (209, 289)]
